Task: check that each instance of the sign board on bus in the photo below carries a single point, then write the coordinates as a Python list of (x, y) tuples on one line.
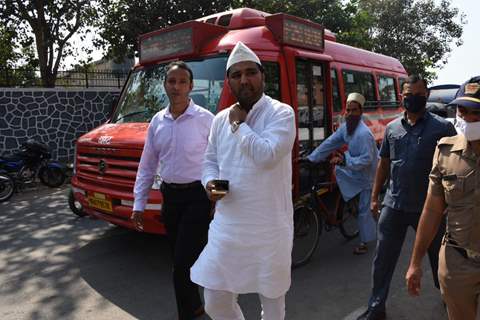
[(296, 32), (165, 44), (183, 39)]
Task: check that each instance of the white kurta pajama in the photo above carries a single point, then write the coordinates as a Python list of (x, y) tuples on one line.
[(250, 238)]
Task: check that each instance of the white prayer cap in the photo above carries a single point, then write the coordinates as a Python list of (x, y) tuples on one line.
[(241, 53), (357, 97)]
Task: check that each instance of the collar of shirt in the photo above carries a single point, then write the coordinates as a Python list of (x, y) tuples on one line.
[(420, 121), (255, 108), (190, 111)]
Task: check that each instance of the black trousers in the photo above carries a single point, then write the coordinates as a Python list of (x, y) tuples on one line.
[(186, 214)]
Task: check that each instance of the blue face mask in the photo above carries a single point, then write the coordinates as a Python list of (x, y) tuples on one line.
[(414, 103)]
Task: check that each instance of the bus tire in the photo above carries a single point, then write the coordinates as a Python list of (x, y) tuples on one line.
[(75, 205)]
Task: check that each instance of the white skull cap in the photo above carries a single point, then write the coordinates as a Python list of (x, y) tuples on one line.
[(357, 97), (241, 53)]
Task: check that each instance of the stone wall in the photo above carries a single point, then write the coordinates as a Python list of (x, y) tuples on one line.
[(56, 117)]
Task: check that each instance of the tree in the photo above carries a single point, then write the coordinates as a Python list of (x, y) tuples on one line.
[(17, 61), (52, 23), (124, 20), (418, 33)]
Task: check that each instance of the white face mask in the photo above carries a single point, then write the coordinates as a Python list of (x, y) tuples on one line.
[(460, 124), (472, 130)]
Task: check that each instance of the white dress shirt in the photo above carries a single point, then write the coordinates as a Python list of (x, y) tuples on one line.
[(174, 149)]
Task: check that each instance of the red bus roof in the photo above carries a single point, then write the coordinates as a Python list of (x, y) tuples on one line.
[(250, 26)]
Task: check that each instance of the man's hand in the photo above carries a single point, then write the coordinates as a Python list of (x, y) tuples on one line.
[(237, 114), (211, 195), (414, 277), (137, 217), (375, 207), (337, 160)]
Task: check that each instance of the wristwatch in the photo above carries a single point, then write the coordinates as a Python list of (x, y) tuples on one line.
[(235, 125)]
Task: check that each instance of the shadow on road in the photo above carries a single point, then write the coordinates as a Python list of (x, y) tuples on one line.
[(131, 270), (54, 265)]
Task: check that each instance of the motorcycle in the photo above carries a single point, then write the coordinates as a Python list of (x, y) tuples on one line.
[(32, 161)]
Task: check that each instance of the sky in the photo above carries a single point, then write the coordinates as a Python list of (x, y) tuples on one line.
[(464, 61)]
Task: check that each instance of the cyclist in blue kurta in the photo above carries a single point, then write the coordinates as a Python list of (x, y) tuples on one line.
[(355, 169)]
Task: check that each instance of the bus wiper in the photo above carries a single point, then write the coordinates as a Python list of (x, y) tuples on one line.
[(131, 114)]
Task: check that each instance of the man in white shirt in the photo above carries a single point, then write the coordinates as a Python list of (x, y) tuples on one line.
[(250, 238), (176, 140)]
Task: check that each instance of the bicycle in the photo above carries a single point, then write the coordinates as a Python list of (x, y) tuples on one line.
[(322, 207)]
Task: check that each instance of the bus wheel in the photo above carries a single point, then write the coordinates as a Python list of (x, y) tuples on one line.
[(306, 232)]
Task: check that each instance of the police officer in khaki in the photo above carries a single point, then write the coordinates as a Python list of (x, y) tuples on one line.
[(454, 190)]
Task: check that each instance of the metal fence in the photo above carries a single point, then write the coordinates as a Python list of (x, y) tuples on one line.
[(74, 78)]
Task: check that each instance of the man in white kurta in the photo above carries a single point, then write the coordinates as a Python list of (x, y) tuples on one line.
[(250, 238)]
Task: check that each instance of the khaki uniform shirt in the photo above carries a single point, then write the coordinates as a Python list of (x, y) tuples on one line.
[(455, 175)]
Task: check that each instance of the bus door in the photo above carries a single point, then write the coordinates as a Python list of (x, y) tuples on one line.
[(313, 117)]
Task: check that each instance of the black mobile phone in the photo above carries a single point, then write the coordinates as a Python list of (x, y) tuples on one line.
[(220, 187)]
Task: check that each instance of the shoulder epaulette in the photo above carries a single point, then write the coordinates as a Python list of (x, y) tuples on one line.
[(447, 140)]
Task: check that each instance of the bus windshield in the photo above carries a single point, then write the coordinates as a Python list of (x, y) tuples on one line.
[(144, 94)]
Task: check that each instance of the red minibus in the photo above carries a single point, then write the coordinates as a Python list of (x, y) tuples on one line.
[(305, 67)]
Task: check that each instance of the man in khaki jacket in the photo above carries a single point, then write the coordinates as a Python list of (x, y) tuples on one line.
[(454, 190)]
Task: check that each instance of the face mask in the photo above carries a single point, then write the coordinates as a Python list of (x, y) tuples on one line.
[(472, 130), (460, 124), (352, 123), (414, 103)]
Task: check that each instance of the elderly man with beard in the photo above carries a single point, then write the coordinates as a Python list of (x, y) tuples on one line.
[(355, 169), (406, 159), (250, 238)]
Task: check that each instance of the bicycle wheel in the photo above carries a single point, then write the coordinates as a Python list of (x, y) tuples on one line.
[(306, 231), (347, 217)]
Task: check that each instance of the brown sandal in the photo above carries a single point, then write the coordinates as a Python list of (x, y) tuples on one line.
[(361, 249)]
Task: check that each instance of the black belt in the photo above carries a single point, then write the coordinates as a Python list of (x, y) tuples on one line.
[(190, 185)]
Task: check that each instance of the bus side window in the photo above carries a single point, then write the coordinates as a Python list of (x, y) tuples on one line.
[(272, 79), (361, 82), (387, 91), (337, 100)]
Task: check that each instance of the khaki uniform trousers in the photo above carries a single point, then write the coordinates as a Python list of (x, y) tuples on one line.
[(459, 283)]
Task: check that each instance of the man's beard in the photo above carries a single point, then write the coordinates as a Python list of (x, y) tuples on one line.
[(352, 122), (247, 100)]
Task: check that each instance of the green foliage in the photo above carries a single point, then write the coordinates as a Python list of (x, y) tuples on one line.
[(418, 33), (49, 24)]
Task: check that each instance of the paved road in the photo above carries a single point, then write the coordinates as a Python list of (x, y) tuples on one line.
[(54, 265)]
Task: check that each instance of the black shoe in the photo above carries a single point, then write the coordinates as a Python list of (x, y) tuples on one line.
[(372, 314)]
